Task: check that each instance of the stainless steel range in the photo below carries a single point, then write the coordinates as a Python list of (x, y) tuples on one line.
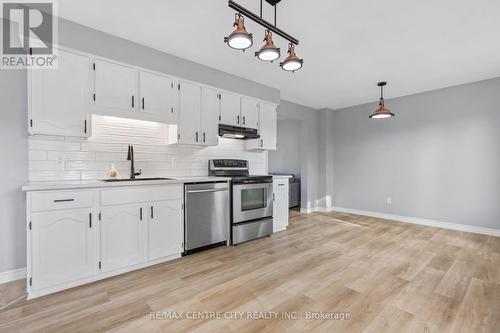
[(251, 200)]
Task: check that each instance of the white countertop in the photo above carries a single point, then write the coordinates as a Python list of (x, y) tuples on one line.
[(282, 176), (71, 184)]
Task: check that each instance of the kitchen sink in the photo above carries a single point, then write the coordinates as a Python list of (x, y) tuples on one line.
[(134, 180)]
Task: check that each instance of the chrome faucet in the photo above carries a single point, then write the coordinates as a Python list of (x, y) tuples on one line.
[(130, 157)]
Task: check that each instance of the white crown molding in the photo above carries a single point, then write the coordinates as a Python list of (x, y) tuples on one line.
[(13, 275), (408, 219)]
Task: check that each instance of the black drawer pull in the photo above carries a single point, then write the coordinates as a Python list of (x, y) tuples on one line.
[(63, 200), (152, 212), (140, 213)]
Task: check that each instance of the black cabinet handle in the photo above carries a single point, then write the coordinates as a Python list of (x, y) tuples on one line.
[(152, 212), (140, 213), (85, 126), (196, 136), (90, 220), (244, 120), (203, 136), (63, 200), (143, 103), (237, 119), (132, 101)]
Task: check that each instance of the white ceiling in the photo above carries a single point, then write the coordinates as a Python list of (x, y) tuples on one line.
[(347, 46)]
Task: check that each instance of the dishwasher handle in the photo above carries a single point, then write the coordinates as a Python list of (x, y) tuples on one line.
[(209, 190)]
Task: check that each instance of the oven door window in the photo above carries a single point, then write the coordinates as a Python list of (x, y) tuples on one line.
[(255, 198)]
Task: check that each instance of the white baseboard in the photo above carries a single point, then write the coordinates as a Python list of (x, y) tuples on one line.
[(315, 209), (408, 219), (13, 275)]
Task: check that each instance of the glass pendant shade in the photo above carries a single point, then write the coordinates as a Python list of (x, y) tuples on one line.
[(239, 39), (268, 52), (292, 62)]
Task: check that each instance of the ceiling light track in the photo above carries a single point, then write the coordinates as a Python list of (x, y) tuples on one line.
[(259, 20)]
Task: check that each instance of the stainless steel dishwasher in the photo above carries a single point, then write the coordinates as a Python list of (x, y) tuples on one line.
[(206, 217)]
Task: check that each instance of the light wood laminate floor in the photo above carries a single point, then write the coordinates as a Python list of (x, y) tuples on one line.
[(388, 276)]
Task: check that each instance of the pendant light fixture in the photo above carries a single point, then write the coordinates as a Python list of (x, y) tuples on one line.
[(292, 62), (239, 39), (381, 112), (268, 52)]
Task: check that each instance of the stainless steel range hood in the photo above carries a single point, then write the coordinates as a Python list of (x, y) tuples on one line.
[(236, 132)]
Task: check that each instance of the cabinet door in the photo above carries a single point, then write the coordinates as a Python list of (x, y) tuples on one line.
[(210, 107), (59, 98), (62, 247), (189, 113), (115, 86), (280, 210), (166, 231), (230, 109), (122, 236), (158, 96), (267, 126), (249, 112)]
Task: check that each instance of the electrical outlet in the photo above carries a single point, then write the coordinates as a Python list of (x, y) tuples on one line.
[(389, 201), (60, 162)]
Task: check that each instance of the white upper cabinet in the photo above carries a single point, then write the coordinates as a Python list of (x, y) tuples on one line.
[(209, 118), (115, 86), (159, 96), (62, 245), (61, 101), (267, 128), (59, 98), (230, 109), (188, 131), (249, 112), (165, 228)]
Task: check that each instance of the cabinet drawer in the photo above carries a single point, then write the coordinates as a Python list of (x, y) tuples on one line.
[(119, 196), (280, 184), (54, 200)]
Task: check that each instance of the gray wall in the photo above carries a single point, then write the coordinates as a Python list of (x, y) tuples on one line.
[(308, 119), (13, 125), (13, 168), (439, 158), (286, 159)]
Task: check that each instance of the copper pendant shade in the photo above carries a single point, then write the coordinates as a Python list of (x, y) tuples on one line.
[(292, 62), (239, 39), (268, 52), (381, 112)]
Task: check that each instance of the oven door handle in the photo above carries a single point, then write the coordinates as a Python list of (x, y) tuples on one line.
[(210, 190)]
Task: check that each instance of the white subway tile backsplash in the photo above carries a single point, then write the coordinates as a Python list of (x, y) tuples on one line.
[(91, 158), (37, 155), (53, 175), (54, 145), (71, 156)]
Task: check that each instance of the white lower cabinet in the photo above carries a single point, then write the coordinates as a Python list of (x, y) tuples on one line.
[(62, 247), (122, 236), (80, 236), (280, 205), (165, 229)]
